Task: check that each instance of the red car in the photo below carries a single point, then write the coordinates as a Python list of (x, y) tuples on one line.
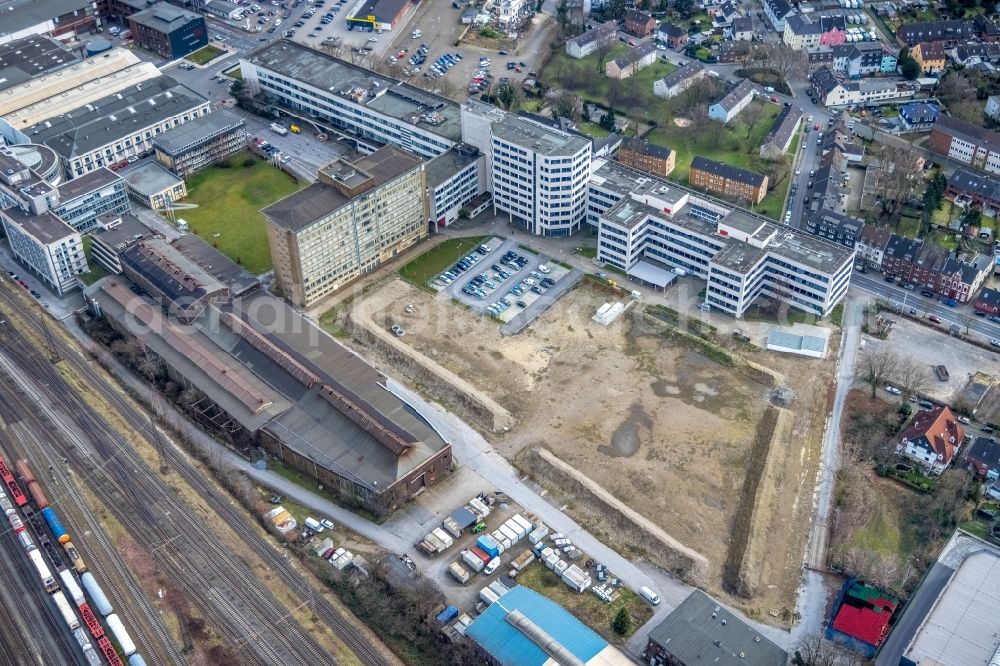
[(400, 55), (774, 99), (934, 318), (631, 42), (815, 126)]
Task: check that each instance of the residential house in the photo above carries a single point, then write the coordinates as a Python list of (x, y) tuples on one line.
[(983, 458), (899, 255), (742, 29), (930, 56), (723, 15), (988, 301), (986, 29), (631, 62), (973, 189), (974, 53), (919, 116), (640, 24), (993, 107), (871, 245), (807, 31), (600, 36), (828, 191), (951, 32), (961, 279), (966, 143), (933, 438), (732, 102), (673, 36), (726, 179), (679, 80), (645, 156), (834, 226), (784, 128), (836, 93), (777, 12), (862, 59)]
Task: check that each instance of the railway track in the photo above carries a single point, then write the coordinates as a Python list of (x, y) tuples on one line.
[(219, 503)]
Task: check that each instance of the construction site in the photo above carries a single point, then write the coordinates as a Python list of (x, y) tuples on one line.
[(705, 461)]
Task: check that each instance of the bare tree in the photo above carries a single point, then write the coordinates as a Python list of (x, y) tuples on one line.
[(814, 651), (876, 367), (788, 63), (566, 105), (897, 172), (751, 116), (602, 51), (911, 376)]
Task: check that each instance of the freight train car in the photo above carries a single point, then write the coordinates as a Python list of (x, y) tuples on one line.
[(107, 648), (52, 520), (16, 495), (43, 570), (69, 617), (121, 634), (96, 594)]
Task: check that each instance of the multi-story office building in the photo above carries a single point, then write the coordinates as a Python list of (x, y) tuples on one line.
[(83, 199), (111, 129), (366, 108), (741, 257), (171, 31), (356, 217), (49, 247), (454, 179), (538, 173), (726, 179), (201, 142)]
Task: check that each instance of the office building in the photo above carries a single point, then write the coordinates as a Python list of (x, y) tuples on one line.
[(356, 217), (111, 236), (51, 249), (201, 142), (111, 129), (152, 185), (82, 200), (368, 109), (168, 30), (454, 179), (740, 184), (740, 256)]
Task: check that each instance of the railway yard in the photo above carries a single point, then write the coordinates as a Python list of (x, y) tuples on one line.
[(99, 479)]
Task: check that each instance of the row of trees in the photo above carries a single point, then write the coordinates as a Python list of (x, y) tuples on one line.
[(879, 366)]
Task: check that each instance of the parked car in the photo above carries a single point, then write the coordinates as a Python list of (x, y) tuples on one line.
[(934, 318), (893, 390)]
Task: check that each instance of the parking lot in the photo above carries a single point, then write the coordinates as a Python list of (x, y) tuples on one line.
[(507, 275)]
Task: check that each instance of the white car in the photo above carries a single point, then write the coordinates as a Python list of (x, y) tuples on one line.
[(705, 307), (769, 89), (544, 269), (964, 419), (893, 390)]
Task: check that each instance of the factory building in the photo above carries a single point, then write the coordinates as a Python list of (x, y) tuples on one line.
[(65, 20)]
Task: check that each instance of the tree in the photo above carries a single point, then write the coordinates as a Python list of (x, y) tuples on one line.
[(814, 651), (566, 105), (608, 120), (507, 95), (908, 67), (787, 62), (622, 622), (896, 173), (876, 367), (684, 8), (751, 116), (911, 376), (603, 50)]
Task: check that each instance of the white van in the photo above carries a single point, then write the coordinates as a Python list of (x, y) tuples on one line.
[(491, 566), (650, 596)]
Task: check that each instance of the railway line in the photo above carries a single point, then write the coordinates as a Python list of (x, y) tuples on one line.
[(122, 477)]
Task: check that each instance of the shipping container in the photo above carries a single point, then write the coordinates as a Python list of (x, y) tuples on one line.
[(489, 545), (538, 534), (71, 586), (25, 540), (576, 578), (443, 536), (508, 532), (472, 560), (451, 527), (481, 554), (499, 588), (448, 614), (121, 635), (546, 552), (431, 544), (341, 562), (479, 507), (43, 570), (459, 572), (96, 594), (69, 617), (523, 560), (49, 514), (524, 522), (488, 596), (560, 566), (551, 560)]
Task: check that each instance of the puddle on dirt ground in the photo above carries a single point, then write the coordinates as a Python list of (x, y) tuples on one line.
[(625, 439), (664, 389)]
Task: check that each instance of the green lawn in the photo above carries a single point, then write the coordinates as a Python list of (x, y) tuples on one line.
[(594, 130), (96, 271), (229, 201), (589, 252), (205, 55), (235, 73), (586, 606), (436, 260)]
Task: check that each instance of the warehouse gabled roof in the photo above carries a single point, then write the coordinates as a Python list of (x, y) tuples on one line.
[(24, 59), (19, 16)]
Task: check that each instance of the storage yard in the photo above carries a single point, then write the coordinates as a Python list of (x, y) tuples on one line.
[(692, 432)]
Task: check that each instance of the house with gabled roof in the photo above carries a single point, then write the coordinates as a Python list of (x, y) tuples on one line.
[(932, 439)]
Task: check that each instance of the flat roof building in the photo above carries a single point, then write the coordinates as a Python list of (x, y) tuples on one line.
[(22, 60), (356, 217), (454, 179), (112, 235), (109, 130), (83, 199), (384, 14), (287, 386), (362, 106), (51, 249), (152, 185), (63, 19), (171, 31), (201, 142)]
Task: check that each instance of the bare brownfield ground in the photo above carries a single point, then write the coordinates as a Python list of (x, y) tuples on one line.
[(662, 427)]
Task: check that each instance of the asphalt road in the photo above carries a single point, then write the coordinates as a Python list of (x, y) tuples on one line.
[(875, 284), (914, 613)]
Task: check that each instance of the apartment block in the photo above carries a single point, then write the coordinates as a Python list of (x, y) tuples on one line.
[(632, 61), (740, 256), (732, 102), (351, 102), (728, 180), (597, 37), (966, 143), (648, 157), (201, 142), (356, 217)]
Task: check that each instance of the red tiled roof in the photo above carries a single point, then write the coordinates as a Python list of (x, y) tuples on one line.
[(939, 429), (865, 624)]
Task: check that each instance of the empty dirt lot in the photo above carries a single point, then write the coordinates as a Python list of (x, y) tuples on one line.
[(665, 429)]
